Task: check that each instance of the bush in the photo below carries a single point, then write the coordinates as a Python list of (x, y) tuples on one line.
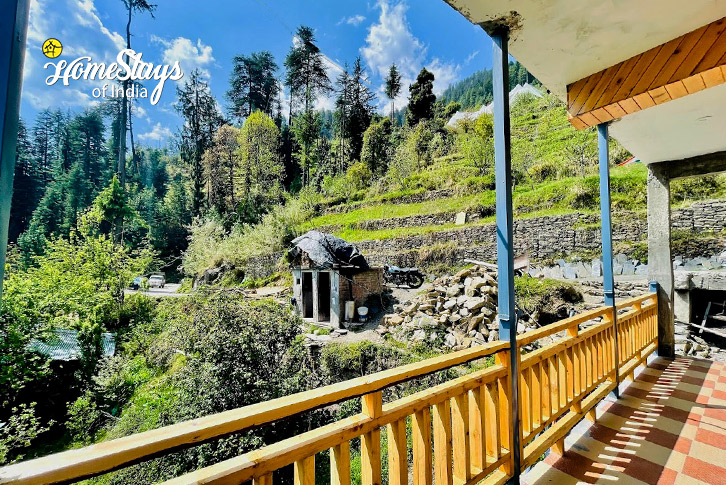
[(19, 432), (697, 187), (213, 352), (543, 171)]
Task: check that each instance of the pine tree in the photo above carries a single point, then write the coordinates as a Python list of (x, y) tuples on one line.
[(253, 85), (131, 7), (422, 98), (26, 185), (342, 114), (201, 119), (393, 87), (306, 76), (361, 108)]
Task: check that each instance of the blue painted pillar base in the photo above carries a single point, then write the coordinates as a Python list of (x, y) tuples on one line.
[(13, 33), (505, 239), (606, 231)]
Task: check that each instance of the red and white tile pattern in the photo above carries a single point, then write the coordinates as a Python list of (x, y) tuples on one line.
[(668, 427)]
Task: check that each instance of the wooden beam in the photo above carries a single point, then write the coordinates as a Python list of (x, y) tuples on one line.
[(695, 166), (677, 68)]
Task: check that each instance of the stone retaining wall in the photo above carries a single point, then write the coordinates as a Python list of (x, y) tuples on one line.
[(542, 237)]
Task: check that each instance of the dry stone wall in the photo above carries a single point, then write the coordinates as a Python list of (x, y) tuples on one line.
[(542, 237)]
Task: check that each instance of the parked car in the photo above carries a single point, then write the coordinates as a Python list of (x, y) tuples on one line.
[(157, 281), (136, 284)]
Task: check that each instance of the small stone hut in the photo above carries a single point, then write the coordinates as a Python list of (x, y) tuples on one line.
[(328, 272)]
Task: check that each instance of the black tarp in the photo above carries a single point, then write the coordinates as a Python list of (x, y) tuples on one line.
[(326, 250)]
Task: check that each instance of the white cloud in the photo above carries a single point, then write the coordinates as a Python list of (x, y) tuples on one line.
[(444, 74), (87, 15), (190, 55), (46, 97), (471, 57), (157, 133), (391, 41), (354, 20), (139, 111)]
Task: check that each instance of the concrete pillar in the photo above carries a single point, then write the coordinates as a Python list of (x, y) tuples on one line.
[(660, 262)]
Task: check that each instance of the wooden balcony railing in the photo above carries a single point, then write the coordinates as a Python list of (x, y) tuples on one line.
[(461, 429)]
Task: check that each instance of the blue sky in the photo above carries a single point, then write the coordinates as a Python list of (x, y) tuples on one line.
[(208, 34)]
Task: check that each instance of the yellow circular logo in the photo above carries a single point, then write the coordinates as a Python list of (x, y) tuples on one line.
[(52, 48)]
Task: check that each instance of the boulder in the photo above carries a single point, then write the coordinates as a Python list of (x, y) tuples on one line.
[(449, 304), (393, 320), (450, 340), (474, 303)]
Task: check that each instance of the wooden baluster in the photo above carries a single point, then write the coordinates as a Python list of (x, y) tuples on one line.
[(589, 344), (525, 398), (506, 433), (600, 354), (421, 424), (562, 377), (460, 438), (340, 464), (544, 370), (397, 453), (577, 364), (442, 444), (535, 412), (573, 367), (491, 394), (639, 324), (554, 384), (371, 442), (265, 479), (305, 471), (477, 430), (582, 346)]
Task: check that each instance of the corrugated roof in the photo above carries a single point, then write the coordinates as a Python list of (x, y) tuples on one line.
[(63, 345)]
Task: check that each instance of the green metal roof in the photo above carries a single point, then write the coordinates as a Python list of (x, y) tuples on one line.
[(63, 345)]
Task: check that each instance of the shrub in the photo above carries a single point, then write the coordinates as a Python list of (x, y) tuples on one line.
[(543, 171)]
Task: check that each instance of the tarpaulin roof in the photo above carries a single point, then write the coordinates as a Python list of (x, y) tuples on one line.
[(326, 250)]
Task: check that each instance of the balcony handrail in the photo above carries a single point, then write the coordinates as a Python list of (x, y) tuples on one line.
[(111, 455), (559, 384)]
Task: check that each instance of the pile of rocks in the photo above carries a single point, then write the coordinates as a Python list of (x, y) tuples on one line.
[(688, 342), (456, 311)]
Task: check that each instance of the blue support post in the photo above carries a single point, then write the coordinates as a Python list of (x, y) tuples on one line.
[(606, 230), (13, 30), (505, 242)]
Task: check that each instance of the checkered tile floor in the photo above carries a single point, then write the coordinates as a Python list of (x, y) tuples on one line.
[(668, 427)]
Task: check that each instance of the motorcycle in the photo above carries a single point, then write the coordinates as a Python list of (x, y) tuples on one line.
[(410, 277)]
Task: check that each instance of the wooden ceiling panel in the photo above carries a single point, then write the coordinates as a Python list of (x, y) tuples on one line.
[(677, 68)]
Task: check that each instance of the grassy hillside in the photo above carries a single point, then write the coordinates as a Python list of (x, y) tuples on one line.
[(554, 171)]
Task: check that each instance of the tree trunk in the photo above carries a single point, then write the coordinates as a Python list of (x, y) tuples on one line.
[(121, 169)]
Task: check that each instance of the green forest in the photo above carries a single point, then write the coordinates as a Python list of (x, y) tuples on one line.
[(93, 209)]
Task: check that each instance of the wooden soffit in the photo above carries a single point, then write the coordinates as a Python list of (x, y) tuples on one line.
[(682, 66)]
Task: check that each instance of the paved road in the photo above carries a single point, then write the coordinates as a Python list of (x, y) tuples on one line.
[(169, 290)]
